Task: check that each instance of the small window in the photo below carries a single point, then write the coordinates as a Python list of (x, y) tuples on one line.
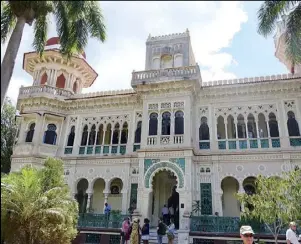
[(50, 135), (30, 133), (115, 190)]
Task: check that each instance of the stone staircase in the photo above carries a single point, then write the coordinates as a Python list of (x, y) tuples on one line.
[(153, 237)]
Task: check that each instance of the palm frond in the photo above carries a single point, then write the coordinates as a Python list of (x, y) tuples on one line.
[(95, 21), (293, 35), (62, 25), (40, 33), (8, 21)]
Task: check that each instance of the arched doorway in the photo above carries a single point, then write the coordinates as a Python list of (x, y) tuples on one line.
[(81, 195), (164, 182), (231, 206), (98, 196)]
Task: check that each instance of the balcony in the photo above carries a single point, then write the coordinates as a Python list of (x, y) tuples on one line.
[(100, 220), (165, 140), (44, 90), (161, 75)]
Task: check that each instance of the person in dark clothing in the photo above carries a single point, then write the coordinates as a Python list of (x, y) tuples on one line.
[(161, 230), (145, 231)]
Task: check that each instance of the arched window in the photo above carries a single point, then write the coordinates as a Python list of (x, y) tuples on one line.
[(99, 138), (30, 133), (204, 130), (166, 62), (221, 128), (50, 134), (179, 123), (44, 79), (116, 134), (178, 60), (153, 124), (71, 137), (166, 123), (124, 133), (241, 126), (84, 136), (262, 126), (108, 135), (138, 132), (292, 124), (251, 125), (156, 63), (60, 81), (92, 135), (274, 132), (231, 130)]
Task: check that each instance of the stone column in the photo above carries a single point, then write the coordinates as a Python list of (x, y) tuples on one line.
[(39, 132), (89, 201), (236, 132), (77, 137), (172, 127), (183, 233), (145, 123), (146, 203), (282, 125), (218, 202), (124, 200), (241, 191), (212, 123)]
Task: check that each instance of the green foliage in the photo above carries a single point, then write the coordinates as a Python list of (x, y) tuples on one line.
[(277, 201), (8, 134), (196, 208), (268, 15), (75, 22), (35, 208)]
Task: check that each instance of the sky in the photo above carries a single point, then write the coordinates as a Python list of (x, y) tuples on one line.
[(224, 40)]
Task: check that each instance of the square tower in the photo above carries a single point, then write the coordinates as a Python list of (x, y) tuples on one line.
[(169, 51)]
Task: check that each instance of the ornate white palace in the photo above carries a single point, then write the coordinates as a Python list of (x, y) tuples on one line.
[(130, 147)]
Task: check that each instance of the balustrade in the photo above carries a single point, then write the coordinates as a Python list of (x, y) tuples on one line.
[(295, 141), (34, 90), (165, 140), (172, 73), (248, 143), (99, 149), (100, 220)]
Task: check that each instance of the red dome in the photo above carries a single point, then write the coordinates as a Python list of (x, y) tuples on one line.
[(55, 41)]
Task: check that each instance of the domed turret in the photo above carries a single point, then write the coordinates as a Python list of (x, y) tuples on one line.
[(54, 70)]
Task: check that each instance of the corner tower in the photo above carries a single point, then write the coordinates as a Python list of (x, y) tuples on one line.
[(55, 71), (169, 51)]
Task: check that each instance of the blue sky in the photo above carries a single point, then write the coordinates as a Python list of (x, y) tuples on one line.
[(223, 34)]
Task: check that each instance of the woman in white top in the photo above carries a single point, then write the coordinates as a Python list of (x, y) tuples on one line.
[(171, 232)]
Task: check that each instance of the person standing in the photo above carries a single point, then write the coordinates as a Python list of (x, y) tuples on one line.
[(135, 232), (107, 211), (165, 213), (247, 234), (161, 230), (125, 236), (145, 231), (171, 232), (291, 235)]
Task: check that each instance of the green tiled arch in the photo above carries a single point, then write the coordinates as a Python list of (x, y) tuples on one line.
[(166, 165)]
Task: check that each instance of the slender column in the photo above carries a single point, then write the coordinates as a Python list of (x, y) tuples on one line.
[(159, 126), (124, 201), (104, 135), (106, 195), (241, 191), (226, 134), (89, 201), (111, 142), (257, 133), (236, 132), (172, 126), (77, 137)]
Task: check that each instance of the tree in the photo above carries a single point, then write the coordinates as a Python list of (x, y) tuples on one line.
[(8, 134), (37, 207), (268, 15), (75, 21), (277, 201)]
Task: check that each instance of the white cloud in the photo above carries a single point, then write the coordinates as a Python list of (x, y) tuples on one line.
[(212, 26)]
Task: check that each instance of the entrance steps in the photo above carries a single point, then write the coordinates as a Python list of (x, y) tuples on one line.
[(153, 237)]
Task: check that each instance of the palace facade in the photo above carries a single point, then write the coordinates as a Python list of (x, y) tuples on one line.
[(131, 147)]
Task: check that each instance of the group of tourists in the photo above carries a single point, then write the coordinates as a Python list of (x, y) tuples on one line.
[(247, 234), (133, 233)]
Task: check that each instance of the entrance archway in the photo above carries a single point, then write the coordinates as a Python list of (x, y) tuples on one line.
[(164, 184)]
